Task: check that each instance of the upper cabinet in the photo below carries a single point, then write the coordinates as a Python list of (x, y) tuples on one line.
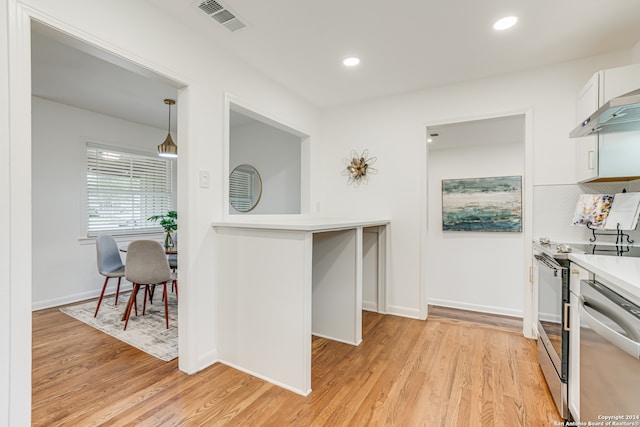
[(587, 147), (619, 81), (607, 157)]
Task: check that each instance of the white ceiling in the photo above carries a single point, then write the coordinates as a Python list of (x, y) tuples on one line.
[(65, 74), (404, 45)]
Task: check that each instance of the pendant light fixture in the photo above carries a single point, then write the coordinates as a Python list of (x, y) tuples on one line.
[(168, 148)]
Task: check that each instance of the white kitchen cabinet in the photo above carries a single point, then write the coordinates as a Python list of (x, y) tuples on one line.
[(587, 147), (587, 158), (618, 81), (607, 157), (577, 273)]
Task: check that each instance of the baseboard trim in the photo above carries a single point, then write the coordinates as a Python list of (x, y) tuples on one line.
[(355, 344), (477, 307), (370, 306), (396, 310), (267, 379), (208, 359), (500, 320), (82, 296)]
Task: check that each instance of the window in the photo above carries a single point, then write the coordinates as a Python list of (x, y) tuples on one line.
[(124, 188)]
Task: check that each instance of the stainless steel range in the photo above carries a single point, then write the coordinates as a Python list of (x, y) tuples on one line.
[(553, 333), (553, 298)]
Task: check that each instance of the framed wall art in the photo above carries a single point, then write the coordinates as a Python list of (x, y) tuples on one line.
[(482, 204)]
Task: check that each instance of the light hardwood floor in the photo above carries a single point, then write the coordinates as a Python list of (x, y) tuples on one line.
[(439, 372)]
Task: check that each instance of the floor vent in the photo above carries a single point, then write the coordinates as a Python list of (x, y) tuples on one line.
[(221, 14)]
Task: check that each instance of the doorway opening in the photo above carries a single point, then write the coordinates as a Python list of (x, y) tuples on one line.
[(476, 270), (83, 95)]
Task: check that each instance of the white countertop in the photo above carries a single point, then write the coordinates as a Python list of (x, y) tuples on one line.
[(621, 273), (298, 223)]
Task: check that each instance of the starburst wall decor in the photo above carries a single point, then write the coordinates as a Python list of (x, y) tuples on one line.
[(359, 167)]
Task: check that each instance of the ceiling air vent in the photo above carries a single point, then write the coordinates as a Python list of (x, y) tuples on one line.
[(221, 14)]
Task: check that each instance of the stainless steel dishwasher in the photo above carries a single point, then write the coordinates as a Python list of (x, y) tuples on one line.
[(609, 356)]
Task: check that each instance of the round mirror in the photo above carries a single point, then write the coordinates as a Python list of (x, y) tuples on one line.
[(245, 188)]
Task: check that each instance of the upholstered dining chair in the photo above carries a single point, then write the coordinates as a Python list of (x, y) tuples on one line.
[(146, 266), (109, 264)]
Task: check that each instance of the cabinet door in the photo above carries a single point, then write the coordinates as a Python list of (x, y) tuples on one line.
[(619, 81), (588, 99), (586, 158), (587, 147)]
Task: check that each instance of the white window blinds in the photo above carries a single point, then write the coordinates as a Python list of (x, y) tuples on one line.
[(124, 189)]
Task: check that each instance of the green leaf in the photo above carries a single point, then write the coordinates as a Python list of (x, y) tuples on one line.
[(168, 221)]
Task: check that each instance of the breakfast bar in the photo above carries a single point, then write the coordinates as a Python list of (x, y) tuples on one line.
[(284, 280)]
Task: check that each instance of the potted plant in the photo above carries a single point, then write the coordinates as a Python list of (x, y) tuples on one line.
[(169, 223)]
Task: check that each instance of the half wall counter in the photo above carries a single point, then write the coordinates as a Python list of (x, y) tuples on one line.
[(283, 280)]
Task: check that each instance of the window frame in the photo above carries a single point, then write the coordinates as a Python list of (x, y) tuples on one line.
[(153, 228)]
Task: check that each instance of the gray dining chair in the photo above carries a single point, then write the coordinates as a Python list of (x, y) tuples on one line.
[(147, 266), (109, 264)]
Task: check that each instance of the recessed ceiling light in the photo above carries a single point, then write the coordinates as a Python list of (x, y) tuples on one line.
[(505, 23), (351, 62)]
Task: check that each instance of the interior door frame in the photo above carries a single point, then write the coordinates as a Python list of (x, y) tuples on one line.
[(18, 306), (528, 327)]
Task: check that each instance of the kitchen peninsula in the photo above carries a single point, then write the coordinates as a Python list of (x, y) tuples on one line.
[(285, 278)]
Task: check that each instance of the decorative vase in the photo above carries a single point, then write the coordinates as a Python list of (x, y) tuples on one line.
[(168, 241)]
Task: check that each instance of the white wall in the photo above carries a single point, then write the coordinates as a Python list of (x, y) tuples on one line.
[(635, 53), (370, 267), (64, 261), (393, 129), (9, 351), (136, 31), (276, 155), (475, 271)]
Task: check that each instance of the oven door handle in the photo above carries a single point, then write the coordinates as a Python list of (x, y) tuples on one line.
[(627, 345)]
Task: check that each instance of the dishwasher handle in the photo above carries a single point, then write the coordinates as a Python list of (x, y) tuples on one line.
[(627, 345)]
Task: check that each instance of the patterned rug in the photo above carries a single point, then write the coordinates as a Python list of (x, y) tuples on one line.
[(147, 333)]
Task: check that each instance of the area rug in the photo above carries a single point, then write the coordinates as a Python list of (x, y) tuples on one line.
[(147, 333)]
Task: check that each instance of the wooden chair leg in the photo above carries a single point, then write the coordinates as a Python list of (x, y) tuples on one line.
[(106, 279), (166, 306), (152, 289), (147, 292), (118, 290), (174, 287), (132, 301)]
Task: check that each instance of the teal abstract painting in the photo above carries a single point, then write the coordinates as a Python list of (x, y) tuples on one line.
[(482, 204)]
